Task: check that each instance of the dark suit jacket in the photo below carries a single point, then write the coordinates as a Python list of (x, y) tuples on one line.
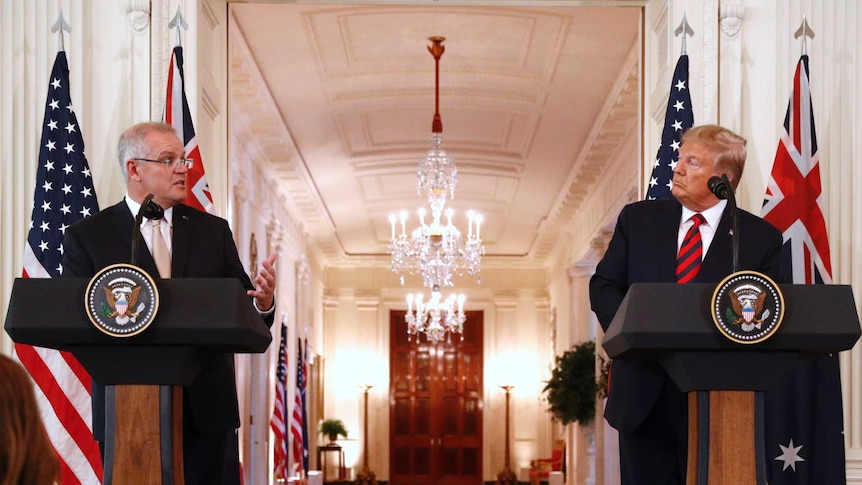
[(202, 247), (643, 250)]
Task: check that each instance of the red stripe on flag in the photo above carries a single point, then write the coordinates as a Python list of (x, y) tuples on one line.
[(169, 99), (796, 110), (43, 376), (67, 476)]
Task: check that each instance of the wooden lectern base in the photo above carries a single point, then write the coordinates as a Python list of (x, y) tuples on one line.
[(144, 441), (725, 438)]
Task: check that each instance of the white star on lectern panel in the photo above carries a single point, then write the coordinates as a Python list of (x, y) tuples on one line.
[(789, 455)]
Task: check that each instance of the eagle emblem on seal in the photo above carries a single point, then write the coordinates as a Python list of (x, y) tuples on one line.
[(122, 296), (747, 302)]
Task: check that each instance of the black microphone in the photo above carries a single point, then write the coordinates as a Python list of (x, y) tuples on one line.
[(150, 210), (720, 186)]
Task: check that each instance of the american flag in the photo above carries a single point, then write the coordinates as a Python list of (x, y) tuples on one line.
[(678, 118), (177, 114), (278, 423), (63, 194), (298, 427), (804, 420), (305, 404)]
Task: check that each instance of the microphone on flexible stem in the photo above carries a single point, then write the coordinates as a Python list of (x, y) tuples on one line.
[(150, 210), (720, 186)]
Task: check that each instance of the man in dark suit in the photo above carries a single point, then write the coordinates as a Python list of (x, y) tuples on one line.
[(199, 245), (644, 404)]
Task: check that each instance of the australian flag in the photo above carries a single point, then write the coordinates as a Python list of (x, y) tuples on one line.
[(804, 419), (178, 115), (678, 118)]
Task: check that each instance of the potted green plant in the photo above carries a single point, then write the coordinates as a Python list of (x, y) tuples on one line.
[(571, 392), (333, 428)]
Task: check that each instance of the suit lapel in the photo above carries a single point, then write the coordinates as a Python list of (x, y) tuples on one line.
[(181, 239), (714, 265), (666, 232)]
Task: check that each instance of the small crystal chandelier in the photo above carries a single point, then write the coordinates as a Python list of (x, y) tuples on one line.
[(437, 318), (436, 251)]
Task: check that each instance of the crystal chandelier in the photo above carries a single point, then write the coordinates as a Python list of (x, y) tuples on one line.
[(436, 251), (437, 318)]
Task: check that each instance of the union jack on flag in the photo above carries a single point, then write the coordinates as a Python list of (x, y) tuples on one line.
[(63, 194), (678, 118), (804, 418), (793, 196), (178, 115)]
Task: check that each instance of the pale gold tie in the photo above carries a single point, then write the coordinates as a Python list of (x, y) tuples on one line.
[(160, 251)]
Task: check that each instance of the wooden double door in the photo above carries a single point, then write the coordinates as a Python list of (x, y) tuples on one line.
[(435, 432)]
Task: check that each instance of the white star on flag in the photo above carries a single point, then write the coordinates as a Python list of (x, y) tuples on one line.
[(678, 118), (789, 455)]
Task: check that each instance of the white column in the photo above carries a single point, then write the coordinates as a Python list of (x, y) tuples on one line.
[(582, 438), (601, 442), (376, 374), (731, 66)]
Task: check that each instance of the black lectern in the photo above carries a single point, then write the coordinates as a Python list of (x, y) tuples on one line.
[(143, 373), (672, 324)]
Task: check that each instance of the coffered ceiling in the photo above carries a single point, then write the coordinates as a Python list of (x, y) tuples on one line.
[(338, 101)]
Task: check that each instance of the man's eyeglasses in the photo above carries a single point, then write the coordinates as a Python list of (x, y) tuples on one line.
[(187, 162)]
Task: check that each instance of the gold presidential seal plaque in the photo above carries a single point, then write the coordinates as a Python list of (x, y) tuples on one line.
[(121, 300), (747, 307)]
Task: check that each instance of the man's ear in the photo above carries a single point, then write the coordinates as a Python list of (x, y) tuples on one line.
[(132, 170), (730, 178)]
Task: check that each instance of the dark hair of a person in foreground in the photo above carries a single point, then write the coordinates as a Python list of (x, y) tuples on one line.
[(26, 454)]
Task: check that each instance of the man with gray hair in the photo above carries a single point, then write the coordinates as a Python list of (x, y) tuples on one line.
[(186, 243)]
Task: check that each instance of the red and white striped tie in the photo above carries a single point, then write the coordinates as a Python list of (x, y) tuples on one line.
[(690, 253)]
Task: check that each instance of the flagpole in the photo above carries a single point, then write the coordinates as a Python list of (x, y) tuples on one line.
[(179, 23), (61, 25), (685, 29), (805, 32)]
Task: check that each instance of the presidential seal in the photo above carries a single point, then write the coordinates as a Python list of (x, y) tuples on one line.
[(121, 300), (747, 307)]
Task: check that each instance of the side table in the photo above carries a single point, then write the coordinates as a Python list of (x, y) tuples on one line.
[(321, 460)]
